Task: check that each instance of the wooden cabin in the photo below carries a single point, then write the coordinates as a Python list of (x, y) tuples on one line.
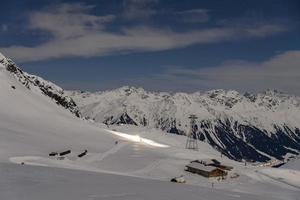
[(205, 170)]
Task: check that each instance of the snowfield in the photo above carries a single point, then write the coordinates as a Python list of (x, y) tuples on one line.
[(36, 183), (123, 162), (293, 164)]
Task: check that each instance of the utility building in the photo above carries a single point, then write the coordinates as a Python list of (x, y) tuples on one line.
[(205, 170)]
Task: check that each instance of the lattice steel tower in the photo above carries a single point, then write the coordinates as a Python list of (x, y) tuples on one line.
[(191, 142)]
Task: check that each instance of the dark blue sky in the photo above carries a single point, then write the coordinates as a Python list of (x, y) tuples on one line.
[(169, 45)]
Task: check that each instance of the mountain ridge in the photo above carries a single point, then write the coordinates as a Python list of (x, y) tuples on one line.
[(33, 82), (248, 126)]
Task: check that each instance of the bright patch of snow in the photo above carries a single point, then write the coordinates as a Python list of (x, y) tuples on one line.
[(138, 139)]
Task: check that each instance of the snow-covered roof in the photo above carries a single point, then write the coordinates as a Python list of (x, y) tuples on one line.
[(207, 161), (201, 166)]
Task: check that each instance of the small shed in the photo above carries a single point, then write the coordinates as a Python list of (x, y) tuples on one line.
[(205, 170), (179, 179)]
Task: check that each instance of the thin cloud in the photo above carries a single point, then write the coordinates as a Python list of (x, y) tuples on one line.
[(4, 27), (280, 72), (76, 32), (194, 15), (137, 9)]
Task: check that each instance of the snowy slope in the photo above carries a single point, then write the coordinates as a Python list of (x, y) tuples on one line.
[(51, 183), (36, 83), (243, 126), (293, 164), (32, 125)]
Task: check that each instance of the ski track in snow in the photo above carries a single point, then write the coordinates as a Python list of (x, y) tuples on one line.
[(100, 157), (289, 177)]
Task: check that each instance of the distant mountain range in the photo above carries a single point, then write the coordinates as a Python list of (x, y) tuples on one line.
[(253, 127)]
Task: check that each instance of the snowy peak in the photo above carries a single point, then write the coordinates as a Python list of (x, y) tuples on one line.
[(36, 83), (3, 61), (131, 90)]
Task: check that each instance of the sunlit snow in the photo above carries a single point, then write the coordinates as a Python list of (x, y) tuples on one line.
[(138, 139)]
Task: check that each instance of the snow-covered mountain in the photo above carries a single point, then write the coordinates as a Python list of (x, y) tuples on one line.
[(246, 126), (36, 83), (32, 125)]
